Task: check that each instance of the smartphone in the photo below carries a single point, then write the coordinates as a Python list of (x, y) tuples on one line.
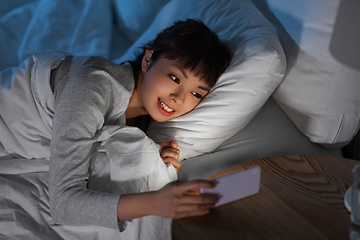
[(236, 185)]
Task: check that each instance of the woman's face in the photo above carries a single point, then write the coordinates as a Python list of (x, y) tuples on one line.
[(167, 91)]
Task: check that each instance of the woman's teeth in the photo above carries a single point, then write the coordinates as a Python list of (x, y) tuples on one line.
[(165, 107)]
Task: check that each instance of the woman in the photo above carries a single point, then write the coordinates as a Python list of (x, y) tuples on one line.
[(175, 72)]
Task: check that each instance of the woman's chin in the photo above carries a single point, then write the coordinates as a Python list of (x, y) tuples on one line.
[(161, 118)]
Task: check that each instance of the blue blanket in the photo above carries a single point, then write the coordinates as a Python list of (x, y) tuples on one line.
[(80, 27)]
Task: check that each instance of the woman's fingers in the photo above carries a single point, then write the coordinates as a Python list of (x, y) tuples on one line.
[(200, 199), (170, 152), (192, 210), (173, 161), (194, 205), (174, 144), (171, 155), (179, 188), (169, 144), (195, 185), (174, 201)]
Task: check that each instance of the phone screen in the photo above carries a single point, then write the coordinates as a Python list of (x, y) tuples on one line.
[(236, 185)]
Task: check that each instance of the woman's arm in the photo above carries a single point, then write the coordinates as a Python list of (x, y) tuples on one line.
[(172, 201), (83, 99)]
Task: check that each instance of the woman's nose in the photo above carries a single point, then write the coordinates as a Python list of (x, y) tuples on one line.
[(178, 96)]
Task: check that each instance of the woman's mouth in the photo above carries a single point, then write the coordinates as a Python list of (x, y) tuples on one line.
[(165, 109)]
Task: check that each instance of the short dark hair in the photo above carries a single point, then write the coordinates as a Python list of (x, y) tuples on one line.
[(194, 46)]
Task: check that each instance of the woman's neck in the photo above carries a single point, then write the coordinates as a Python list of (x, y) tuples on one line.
[(135, 107)]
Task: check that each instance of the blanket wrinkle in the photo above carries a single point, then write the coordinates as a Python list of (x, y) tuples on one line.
[(131, 160), (30, 95), (73, 22)]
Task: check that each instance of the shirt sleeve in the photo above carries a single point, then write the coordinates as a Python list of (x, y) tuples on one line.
[(81, 104)]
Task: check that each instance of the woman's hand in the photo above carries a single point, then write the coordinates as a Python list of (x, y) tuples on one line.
[(174, 200), (170, 153)]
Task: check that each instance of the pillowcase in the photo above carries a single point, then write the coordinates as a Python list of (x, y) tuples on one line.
[(318, 93), (256, 70)]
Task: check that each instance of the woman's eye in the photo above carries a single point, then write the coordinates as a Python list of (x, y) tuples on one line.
[(175, 79), (197, 95)]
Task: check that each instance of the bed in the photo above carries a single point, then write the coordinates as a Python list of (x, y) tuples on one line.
[(283, 93)]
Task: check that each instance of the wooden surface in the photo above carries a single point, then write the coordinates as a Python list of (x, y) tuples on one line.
[(300, 197)]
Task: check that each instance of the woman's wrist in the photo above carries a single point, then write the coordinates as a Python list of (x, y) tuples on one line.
[(131, 206)]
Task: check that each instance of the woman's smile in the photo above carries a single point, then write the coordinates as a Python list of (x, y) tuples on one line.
[(165, 109)]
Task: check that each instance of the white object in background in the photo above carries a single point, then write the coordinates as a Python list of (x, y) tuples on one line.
[(352, 203), (347, 199), (355, 196)]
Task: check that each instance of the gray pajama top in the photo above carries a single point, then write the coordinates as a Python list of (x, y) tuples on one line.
[(90, 92)]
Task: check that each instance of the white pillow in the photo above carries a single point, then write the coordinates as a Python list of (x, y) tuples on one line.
[(256, 70), (319, 94)]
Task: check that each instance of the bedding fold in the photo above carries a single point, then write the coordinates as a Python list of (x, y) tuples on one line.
[(25, 91)]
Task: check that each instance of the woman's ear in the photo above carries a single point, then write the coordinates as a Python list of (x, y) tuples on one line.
[(146, 60)]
